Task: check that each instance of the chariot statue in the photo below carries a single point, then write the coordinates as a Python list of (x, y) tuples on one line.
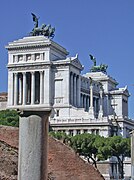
[(99, 68), (45, 30)]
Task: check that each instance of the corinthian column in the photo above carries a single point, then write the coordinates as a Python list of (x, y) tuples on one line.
[(75, 90), (91, 108), (101, 104), (33, 88), (71, 88), (20, 89), (41, 87), (15, 88), (24, 88)]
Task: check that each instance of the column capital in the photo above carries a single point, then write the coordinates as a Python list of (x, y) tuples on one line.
[(32, 72), (15, 73), (24, 73), (41, 72)]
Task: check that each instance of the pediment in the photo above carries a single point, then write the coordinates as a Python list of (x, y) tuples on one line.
[(76, 63)]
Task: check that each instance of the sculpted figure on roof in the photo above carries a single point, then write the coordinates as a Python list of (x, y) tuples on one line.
[(45, 30)]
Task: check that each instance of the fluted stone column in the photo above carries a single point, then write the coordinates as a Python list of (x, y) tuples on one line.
[(78, 91), (101, 105), (91, 108), (24, 88), (33, 145), (74, 132), (10, 88), (81, 131), (67, 132), (41, 87), (71, 88), (33, 88), (20, 90), (75, 90), (47, 86), (15, 88)]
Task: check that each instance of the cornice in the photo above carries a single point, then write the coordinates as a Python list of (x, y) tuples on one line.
[(27, 46), (20, 67)]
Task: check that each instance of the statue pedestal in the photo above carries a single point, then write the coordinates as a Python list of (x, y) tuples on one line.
[(100, 116), (33, 140), (91, 112)]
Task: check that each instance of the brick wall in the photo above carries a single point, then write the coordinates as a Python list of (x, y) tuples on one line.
[(63, 162), (66, 165)]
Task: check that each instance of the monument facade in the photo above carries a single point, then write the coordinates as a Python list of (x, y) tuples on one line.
[(41, 75)]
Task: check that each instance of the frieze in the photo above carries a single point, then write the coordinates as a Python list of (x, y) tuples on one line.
[(27, 68)]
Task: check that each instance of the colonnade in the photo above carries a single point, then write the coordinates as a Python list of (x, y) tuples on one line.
[(74, 132), (85, 102), (74, 89), (28, 88), (80, 99)]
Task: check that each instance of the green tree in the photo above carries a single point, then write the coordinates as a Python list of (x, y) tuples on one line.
[(116, 146), (60, 136), (87, 145), (9, 118)]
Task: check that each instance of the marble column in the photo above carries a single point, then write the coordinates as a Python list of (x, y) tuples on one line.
[(10, 88), (71, 88), (20, 89), (41, 87), (33, 88), (15, 88), (101, 105), (24, 88), (91, 108), (33, 145), (74, 132), (67, 132), (75, 90), (78, 91), (48, 85), (81, 131)]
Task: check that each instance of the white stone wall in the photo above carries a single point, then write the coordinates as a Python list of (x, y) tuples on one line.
[(3, 105)]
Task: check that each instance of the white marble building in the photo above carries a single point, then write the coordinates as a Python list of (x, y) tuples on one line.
[(41, 74)]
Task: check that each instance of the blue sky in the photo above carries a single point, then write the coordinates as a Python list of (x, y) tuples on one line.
[(104, 28)]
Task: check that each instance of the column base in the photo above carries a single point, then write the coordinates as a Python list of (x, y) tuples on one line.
[(91, 112)]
